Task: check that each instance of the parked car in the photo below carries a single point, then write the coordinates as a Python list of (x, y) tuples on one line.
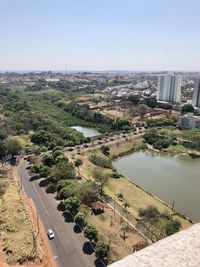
[(50, 234)]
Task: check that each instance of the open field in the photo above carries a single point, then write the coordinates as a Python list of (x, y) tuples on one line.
[(110, 226), (113, 113)]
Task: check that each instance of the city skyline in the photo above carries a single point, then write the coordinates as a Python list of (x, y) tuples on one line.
[(115, 35)]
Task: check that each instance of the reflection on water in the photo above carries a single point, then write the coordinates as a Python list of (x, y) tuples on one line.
[(170, 177), (86, 131)]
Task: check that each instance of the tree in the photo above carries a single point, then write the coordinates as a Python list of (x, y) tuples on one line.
[(48, 159), (101, 178), (91, 233), (126, 205), (67, 188), (142, 110), (2, 149), (41, 137), (57, 153), (12, 145), (149, 212), (80, 219), (105, 150), (101, 250), (173, 227), (150, 136), (135, 99), (78, 163), (151, 102), (89, 192), (61, 158), (72, 204), (187, 108), (157, 225), (63, 170)]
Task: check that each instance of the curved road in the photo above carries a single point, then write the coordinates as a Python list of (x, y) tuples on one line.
[(67, 246)]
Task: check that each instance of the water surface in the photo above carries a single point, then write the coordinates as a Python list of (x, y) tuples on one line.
[(86, 131), (169, 177)]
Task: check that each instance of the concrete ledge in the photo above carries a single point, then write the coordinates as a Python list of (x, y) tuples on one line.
[(181, 250)]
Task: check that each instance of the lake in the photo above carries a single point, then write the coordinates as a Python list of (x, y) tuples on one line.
[(86, 131), (169, 177)]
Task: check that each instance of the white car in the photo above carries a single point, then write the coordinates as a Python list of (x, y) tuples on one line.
[(50, 234)]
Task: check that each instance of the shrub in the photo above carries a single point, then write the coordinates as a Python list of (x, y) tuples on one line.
[(100, 161)]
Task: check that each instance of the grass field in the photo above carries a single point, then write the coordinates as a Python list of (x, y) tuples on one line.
[(14, 227)]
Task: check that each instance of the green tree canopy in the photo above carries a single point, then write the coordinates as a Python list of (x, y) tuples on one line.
[(12, 145), (187, 108), (80, 219), (72, 204), (101, 250), (63, 170), (91, 233), (48, 159), (89, 192)]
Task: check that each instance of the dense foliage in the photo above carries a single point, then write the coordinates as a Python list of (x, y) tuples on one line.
[(157, 225), (100, 161), (158, 141)]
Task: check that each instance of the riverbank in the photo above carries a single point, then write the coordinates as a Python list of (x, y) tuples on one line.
[(135, 195)]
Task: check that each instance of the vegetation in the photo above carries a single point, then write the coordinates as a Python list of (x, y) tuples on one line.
[(100, 161), (142, 110), (78, 163), (158, 141), (105, 150), (83, 112), (101, 250), (72, 205), (101, 179), (91, 233), (157, 225), (89, 192), (39, 116), (187, 108), (80, 219)]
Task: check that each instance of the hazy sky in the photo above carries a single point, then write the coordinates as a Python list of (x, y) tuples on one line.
[(100, 34)]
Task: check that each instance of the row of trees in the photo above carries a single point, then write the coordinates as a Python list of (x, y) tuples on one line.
[(61, 175)]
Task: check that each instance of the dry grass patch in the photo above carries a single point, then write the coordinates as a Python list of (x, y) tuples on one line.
[(137, 198), (113, 113), (14, 227)]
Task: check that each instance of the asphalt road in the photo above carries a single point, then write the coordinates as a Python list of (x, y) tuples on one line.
[(69, 246)]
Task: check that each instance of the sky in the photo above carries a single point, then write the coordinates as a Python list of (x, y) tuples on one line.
[(134, 35)]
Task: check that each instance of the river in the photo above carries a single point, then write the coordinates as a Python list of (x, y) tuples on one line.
[(86, 131), (169, 177)]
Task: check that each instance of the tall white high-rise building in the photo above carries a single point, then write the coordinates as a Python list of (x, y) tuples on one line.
[(196, 94), (169, 88)]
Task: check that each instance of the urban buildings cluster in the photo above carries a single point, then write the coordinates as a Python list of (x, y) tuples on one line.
[(188, 121), (169, 89)]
